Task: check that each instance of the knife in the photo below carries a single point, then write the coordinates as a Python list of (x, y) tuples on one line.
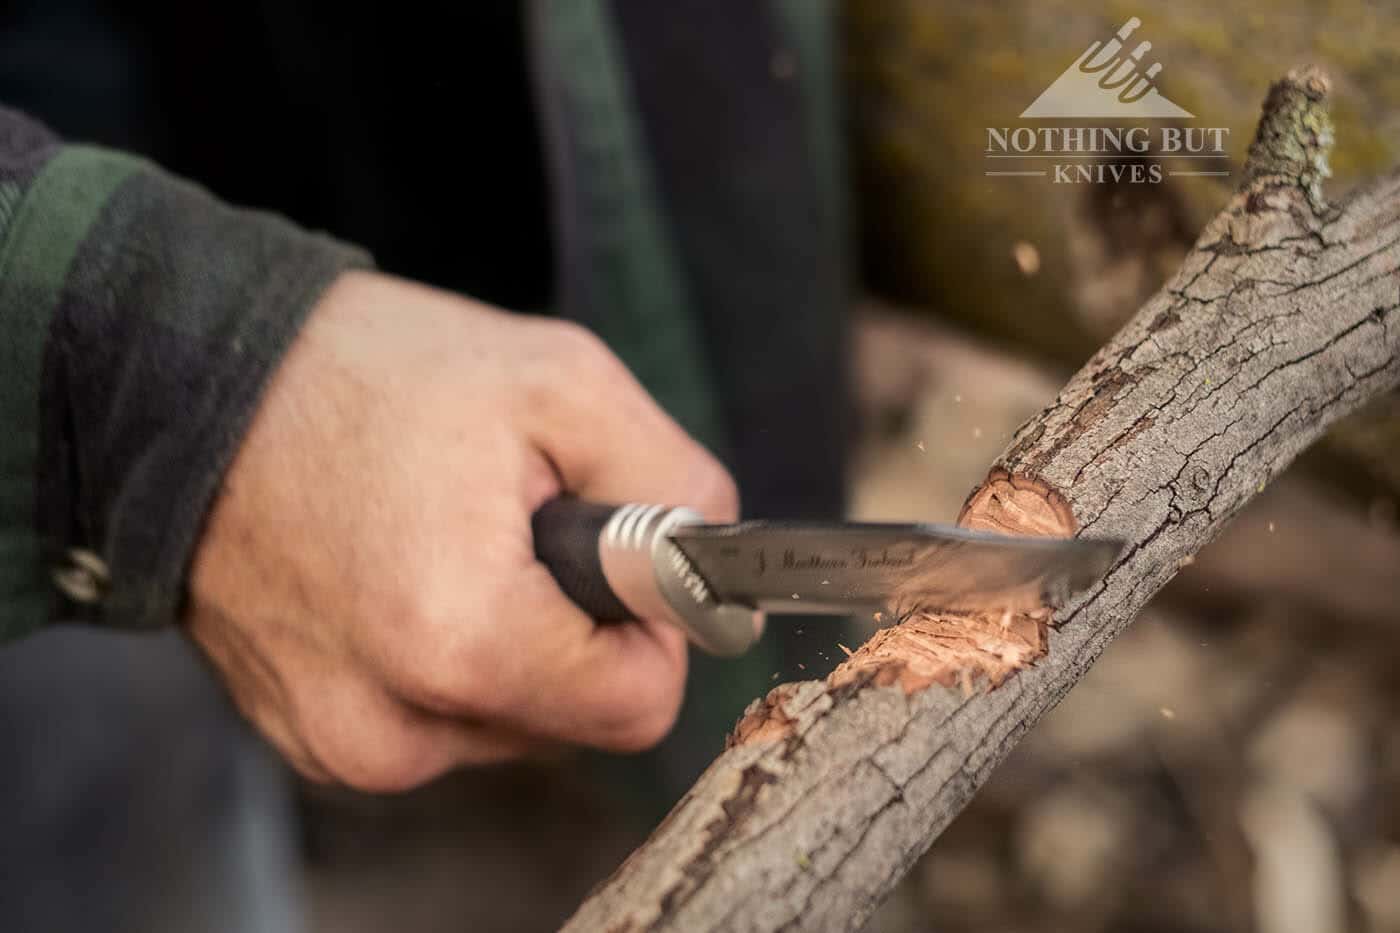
[(716, 582)]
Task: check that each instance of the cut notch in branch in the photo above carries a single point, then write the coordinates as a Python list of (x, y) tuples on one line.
[(930, 646)]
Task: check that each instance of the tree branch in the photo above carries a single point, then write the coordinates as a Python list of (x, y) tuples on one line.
[(1282, 319)]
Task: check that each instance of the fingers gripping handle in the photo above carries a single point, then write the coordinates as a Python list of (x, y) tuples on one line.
[(618, 563)]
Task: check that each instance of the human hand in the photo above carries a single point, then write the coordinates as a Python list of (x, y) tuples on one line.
[(366, 583)]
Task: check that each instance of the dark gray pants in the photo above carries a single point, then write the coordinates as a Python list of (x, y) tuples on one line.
[(132, 797)]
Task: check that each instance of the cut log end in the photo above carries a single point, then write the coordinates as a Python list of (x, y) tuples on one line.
[(1019, 505)]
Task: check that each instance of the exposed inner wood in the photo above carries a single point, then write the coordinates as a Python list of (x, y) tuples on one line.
[(954, 649), (1014, 504)]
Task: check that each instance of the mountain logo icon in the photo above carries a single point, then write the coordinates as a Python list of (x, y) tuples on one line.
[(1107, 81)]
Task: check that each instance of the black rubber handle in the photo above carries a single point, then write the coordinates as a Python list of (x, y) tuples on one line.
[(567, 532)]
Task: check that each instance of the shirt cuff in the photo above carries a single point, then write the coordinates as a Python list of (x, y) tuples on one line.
[(149, 317)]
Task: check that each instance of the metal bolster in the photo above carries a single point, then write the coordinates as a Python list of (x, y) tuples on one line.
[(655, 580)]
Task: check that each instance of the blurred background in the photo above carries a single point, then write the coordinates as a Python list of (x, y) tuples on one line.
[(1231, 764)]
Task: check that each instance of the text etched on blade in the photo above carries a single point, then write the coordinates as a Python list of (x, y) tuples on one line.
[(858, 559)]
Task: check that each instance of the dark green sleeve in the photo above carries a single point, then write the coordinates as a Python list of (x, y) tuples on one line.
[(139, 320)]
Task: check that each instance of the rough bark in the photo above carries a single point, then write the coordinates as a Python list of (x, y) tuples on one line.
[(1281, 320)]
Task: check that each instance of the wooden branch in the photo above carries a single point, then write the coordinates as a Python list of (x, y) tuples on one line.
[(1282, 319)]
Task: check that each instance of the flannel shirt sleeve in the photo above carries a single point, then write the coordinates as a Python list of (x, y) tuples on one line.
[(140, 318)]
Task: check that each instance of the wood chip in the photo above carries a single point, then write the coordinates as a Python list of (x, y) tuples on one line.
[(1026, 257)]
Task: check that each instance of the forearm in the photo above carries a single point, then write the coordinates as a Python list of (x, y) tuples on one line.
[(139, 321)]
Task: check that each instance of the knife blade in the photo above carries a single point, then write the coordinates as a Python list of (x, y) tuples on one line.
[(716, 581), (824, 567)]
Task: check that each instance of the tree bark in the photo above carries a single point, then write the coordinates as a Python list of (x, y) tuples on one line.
[(1281, 320)]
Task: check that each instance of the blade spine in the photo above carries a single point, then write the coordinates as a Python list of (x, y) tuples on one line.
[(941, 532)]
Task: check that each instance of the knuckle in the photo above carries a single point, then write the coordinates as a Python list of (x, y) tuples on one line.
[(386, 760), (448, 679), (561, 358), (644, 732), (653, 718), (578, 347), (308, 771), (455, 667), (384, 775), (440, 686)]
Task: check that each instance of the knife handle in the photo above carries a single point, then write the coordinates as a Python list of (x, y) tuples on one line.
[(569, 541), (617, 562)]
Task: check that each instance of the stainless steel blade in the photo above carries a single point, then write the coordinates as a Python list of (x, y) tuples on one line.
[(824, 567)]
